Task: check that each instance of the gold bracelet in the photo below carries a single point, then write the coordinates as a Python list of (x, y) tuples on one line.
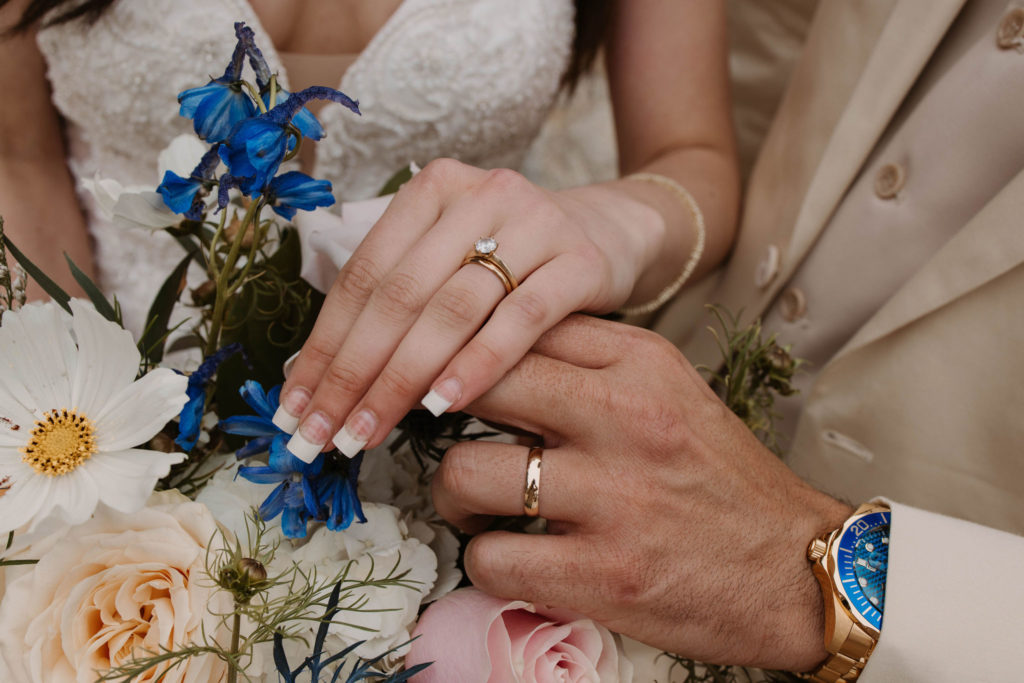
[(698, 248)]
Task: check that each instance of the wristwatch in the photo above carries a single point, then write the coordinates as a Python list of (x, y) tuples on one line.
[(850, 563)]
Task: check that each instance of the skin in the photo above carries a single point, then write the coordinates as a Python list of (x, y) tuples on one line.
[(404, 317), (667, 520), (37, 198)]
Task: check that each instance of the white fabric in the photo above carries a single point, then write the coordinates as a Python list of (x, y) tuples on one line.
[(931, 614), (469, 79)]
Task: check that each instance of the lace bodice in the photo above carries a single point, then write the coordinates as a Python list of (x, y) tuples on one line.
[(469, 79)]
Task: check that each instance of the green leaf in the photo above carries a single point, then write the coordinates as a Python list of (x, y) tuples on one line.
[(396, 181), (48, 285), (91, 290), (151, 345)]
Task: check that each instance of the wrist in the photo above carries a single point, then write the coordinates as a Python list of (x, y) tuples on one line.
[(806, 637)]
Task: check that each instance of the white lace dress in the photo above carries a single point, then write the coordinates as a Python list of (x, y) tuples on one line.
[(469, 79)]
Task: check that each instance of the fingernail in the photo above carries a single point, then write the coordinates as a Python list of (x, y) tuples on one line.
[(286, 369), (311, 437), (441, 397), (286, 417), (353, 437)]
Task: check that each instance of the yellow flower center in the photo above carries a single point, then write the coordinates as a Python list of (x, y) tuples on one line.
[(60, 442)]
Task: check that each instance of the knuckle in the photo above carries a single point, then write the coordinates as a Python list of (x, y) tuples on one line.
[(455, 472), (438, 173), (399, 295), (482, 354), (344, 379), (530, 308), (359, 278), (503, 179), (483, 562), (456, 306), (396, 381), (319, 350)]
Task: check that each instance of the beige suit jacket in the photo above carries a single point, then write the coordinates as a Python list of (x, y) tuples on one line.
[(925, 404)]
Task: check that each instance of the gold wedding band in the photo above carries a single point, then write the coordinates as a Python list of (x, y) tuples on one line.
[(483, 254), (531, 492)]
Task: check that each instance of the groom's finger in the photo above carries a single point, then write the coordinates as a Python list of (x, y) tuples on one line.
[(558, 571), (540, 395), (588, 342), (478, 480)]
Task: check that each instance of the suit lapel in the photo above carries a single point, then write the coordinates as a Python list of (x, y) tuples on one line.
[(910, 36), (907, 36), (988, 246)]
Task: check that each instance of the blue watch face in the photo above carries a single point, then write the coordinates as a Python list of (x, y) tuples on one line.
[(862, 563)]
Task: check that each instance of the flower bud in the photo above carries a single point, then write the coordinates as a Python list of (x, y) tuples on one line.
[(252, 569)]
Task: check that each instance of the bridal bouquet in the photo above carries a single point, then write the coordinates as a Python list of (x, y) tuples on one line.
[(153, 526)]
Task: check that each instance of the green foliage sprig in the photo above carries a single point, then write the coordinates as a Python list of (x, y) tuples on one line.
[(754, 370), (266, 607)]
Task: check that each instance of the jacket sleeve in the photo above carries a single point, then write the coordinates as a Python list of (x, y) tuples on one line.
[(954, 602)]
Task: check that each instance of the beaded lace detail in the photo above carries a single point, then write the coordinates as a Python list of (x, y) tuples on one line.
[(469, 79)]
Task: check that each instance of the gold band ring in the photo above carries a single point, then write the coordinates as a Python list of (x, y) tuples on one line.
[(483, 254), (531, 491)]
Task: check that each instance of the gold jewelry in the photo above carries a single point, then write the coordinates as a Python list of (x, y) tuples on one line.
[(698, 246), (531, 491), (483, 254), (852, 619)]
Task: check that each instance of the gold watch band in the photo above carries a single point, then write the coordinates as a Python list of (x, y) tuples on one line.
[(846, 664)]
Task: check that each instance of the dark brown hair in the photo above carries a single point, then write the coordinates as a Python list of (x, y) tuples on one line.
[(592, 18)]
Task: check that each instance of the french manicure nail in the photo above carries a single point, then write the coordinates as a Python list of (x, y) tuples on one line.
[(286, 369), (354, 436), (286, 417), (311, 437), (441, 397)]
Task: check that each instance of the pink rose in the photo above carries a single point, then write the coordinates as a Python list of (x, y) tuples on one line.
[(474, 638)]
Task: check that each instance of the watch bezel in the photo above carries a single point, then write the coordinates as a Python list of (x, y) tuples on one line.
[(852, 596)]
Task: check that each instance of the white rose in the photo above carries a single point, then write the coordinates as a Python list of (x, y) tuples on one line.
[(116, 585)]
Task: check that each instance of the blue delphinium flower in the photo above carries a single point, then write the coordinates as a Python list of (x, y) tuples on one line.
[(304, 120), (191, 416), (293, 190), (294, 498), (256, 146), (185, 195), (216, 107), (337, 486), (260, 426), (324, 490)]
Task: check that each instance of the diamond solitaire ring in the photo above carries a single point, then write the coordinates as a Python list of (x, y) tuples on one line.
[(483, 254)]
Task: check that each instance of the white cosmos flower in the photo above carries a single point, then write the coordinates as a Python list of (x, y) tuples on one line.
[(71, 414)]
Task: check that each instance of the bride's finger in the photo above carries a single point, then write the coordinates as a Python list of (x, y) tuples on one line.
[(451, 317), (478, 480), (551, 293), (387, 318), (412, 212)]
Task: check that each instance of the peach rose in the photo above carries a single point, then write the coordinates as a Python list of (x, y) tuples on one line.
[(116, 585), (472, 637)]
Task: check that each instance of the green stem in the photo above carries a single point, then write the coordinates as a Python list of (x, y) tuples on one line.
[(224, 276), (236, 628)]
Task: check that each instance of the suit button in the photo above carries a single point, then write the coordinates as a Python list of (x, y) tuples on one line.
[(768, 267), (890, 180), (1011, 29), (793, 304)]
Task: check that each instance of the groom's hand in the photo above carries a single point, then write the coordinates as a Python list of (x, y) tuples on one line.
[(667, 519)]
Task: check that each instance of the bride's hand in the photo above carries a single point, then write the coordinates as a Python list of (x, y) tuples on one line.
[(406, 317)]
